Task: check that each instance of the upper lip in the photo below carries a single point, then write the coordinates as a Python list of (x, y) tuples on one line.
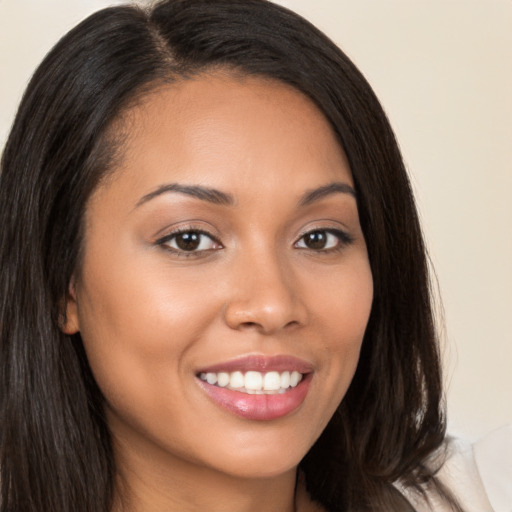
[(260, 363)]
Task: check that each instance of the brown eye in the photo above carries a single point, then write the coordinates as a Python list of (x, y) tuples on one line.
[(324, 240), (190, 241), (315, 240)]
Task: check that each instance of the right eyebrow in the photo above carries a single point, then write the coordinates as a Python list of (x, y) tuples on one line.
[(327, 190), (210, 195)]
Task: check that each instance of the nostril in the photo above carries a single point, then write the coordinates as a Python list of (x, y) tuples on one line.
[(249, 324)]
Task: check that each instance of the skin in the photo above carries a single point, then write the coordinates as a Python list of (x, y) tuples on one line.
[(151, 315)]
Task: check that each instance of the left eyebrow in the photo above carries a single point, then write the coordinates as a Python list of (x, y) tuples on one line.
[(321, 192), (210, 195)]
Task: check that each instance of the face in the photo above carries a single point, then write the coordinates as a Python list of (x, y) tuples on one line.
[(225, 286)]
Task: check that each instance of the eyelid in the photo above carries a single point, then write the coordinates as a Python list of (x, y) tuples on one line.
[(181, 230), (344, 237), (197, 225), (170, 234)]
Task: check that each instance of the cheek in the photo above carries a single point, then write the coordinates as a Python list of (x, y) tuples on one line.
[(342, 311), (343, 303), (130, 297), (138, 325)]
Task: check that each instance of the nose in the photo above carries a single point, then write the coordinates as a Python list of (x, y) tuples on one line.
[(265, 295)]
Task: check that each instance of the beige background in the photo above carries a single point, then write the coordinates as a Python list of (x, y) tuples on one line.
[(443, 70)]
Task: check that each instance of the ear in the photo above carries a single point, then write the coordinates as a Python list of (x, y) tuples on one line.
[(68, 322)]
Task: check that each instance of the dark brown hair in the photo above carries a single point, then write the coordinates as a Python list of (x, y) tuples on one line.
[(55, 449)]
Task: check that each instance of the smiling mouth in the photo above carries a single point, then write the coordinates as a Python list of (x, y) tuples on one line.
[(258, 387), (254, 382)]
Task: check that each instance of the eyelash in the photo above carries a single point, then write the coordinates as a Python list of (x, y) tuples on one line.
[(344, 239), (165, 240)]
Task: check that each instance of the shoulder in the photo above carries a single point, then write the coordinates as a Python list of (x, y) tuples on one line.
[(479, 475), (493, 456)]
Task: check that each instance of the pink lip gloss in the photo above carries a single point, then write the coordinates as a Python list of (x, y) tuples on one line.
[(260, 404), (258, 407)]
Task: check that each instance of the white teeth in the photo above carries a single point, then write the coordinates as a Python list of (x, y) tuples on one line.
[(295, 378), (254, 382), (211, 378), (237, 380), (272, 381), (222, 379)]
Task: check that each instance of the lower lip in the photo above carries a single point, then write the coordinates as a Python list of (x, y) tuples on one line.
[(259, 407)]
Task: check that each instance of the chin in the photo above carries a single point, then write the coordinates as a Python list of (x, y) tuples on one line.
[(267, 459)]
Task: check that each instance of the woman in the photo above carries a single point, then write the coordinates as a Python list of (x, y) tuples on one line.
[(214, 291)]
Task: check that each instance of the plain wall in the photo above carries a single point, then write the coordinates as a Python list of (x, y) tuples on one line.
[(443, 71)]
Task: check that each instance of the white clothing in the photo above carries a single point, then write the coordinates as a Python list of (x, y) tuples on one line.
[(479, 475)]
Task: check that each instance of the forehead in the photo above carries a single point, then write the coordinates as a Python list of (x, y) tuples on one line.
[(224, 131)]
